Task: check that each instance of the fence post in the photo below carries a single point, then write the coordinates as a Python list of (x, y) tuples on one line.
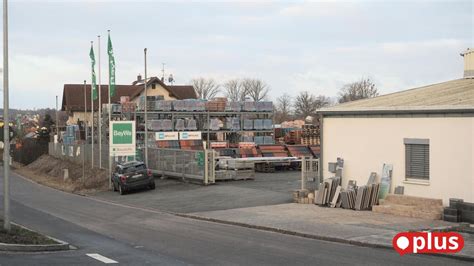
[(206, 167), (83, 151), (303, 173)]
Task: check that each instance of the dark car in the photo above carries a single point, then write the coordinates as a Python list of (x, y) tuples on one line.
[(131, 175)]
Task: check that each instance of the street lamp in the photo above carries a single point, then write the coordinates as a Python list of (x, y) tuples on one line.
[(6, 128), (146, 112)]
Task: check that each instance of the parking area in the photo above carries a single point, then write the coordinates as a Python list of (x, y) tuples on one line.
[(177, 196)]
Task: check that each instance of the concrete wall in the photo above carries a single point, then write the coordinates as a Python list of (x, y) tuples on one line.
[(367, 143)]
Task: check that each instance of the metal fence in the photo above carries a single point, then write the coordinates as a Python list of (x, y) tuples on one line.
[(310, 173), (78, 153), (185, 164)]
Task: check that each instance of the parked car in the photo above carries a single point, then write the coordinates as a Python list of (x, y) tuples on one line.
[(132, 175)]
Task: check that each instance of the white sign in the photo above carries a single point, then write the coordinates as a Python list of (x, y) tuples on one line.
[(122, 138), (190, 135), (166, 135)]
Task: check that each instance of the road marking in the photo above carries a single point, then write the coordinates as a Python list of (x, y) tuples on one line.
[(101, 258)]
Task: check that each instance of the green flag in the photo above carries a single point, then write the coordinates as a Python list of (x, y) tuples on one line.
[(94, 87), (111, 68)]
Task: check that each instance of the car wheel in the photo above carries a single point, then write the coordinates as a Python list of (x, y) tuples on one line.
[(152, 185), (121, 190)]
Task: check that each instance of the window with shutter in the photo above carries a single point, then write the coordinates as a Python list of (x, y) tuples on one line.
[(417, 159)]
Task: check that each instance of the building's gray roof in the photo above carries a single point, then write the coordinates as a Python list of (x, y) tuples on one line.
[(455, 95)]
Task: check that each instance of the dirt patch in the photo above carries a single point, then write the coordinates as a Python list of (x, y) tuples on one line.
[(23, 236), (49, 171)]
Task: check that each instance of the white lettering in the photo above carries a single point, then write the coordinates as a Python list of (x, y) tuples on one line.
[(436, 243), (418, 246), (122, 133), (454, 243)]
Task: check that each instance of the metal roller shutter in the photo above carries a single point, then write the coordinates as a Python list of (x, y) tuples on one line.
[(417, 161)]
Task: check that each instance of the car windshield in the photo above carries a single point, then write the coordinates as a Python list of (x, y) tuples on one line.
[(134, 168)]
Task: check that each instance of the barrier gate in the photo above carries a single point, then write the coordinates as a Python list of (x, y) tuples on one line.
[(185, 164), (310, 173)]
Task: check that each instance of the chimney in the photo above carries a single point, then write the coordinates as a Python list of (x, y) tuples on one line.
[(139, 77), (468, 63)]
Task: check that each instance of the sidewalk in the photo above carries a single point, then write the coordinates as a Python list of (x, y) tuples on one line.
[(347, 226)]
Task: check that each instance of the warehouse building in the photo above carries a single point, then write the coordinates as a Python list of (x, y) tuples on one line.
[(426, 133)]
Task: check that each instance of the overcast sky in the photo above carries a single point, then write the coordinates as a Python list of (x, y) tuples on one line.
[(293, 46)]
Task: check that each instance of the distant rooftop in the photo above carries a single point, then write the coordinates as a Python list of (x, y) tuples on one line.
[(454, 95)]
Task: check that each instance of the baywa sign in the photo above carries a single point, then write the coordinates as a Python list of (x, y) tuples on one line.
[(122, 138)]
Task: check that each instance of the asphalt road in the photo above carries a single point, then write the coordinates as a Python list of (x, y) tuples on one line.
[(134, 236), (176, 196)]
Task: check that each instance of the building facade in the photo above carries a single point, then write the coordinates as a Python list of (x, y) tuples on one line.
[(426, 133)]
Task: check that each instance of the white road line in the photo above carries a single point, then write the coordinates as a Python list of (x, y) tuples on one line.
[(101, 258)]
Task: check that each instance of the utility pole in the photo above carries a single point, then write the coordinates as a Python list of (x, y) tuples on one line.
[(146, 114), (83, 151), (57, 119), (6, 126)]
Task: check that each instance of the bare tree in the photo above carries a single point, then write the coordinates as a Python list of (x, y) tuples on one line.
[(234, 90), (306, 104), (256, 89), (205, 88), (362, 89), (322, 101), (283, 108)]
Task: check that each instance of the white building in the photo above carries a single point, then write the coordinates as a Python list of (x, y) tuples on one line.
[(426, 133)]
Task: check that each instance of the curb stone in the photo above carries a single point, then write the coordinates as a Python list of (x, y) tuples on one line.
[(317, 237), (263, 228), (61, 246)]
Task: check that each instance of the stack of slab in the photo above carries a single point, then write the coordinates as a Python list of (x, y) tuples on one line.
[(328, 192), (362, 197)]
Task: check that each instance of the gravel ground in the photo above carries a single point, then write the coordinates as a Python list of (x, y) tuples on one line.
[(49, 171)]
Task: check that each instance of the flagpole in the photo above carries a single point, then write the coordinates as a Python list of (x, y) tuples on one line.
[(99, 122), (110, 118), (92, 110)]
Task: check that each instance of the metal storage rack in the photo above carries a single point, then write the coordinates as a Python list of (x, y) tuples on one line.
[(204, 118)]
